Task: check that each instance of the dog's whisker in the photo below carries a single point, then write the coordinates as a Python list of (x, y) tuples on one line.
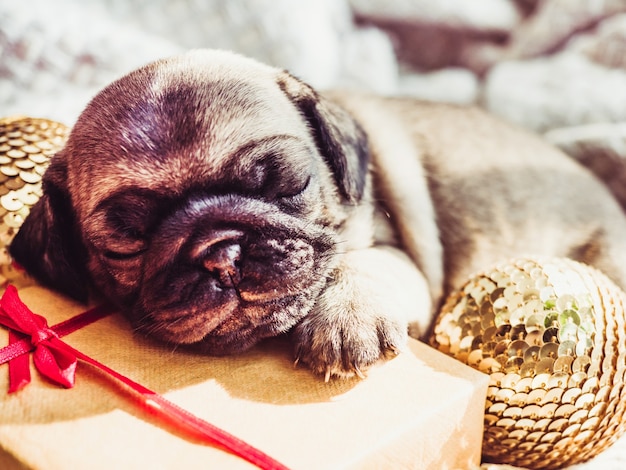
[(174, 348), (235, 286)]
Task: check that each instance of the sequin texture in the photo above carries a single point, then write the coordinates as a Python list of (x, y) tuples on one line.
[(551, 334), (26, 146)]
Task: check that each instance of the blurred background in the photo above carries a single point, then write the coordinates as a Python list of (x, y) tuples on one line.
[(550, 65)]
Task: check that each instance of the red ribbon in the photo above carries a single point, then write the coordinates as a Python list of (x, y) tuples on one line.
[(57, 361), (51, 359)]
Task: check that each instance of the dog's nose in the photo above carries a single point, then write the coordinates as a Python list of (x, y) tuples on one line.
[(222, 260), (220, 254)]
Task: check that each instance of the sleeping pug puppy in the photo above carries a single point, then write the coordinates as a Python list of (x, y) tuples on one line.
[(218, 201)]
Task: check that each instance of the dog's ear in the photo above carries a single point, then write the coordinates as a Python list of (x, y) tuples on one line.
[(47, 244), (339, 138)]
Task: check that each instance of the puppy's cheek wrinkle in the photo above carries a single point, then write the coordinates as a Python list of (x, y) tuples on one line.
[(118, 280)]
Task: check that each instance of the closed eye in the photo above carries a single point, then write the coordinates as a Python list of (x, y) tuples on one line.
[(294, 202), (119, 256), (295, 191), (124, 249)]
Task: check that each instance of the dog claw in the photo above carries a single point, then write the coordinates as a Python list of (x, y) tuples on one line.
[(327, 375), (391, 352), (296, 362), (358, 373)]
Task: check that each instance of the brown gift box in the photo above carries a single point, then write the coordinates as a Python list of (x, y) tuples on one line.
[(421, 410)]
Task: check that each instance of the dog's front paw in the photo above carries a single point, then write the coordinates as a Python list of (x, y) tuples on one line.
[(347, 343)]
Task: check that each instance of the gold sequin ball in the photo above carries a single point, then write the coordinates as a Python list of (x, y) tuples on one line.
[(26, 145), (552, 336)]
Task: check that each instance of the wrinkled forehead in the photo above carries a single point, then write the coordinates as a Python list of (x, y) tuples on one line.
[(195, 98), (211, 112), (169, 124), (214, 87)]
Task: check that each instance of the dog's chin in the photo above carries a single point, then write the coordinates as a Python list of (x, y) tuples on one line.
[(230, 328), (211, 342), (234, 342)]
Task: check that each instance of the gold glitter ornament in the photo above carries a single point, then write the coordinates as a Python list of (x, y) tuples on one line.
[(551, 333), (26, 145)]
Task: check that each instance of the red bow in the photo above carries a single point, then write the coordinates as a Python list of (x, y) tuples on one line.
[(51, 358)]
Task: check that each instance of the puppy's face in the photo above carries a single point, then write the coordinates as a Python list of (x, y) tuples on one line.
[(203, 194)]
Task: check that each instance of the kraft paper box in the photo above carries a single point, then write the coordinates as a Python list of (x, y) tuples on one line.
[(421, 410)]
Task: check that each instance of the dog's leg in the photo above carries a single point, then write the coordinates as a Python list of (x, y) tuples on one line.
[(364, 313)]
